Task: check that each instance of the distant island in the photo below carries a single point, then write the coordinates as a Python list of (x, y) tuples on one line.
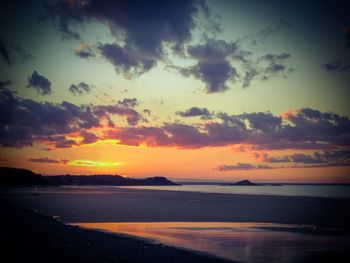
[(22, 177), (244, 183), (249, 183)]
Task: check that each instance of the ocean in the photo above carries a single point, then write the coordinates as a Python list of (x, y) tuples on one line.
[(333, 191)]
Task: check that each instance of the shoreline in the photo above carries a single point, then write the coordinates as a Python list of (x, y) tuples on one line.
[(29, 236), (107, 204)]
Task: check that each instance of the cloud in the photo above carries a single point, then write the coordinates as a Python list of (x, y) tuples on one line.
[(330, 158), (128, 102), (4, 84), (40, 83), (125, 61), (247, 166), (147, 112), (324, 159), (48, 160), (213, 67), (4, 52), (57, 124), (132, 116), (27, 121), (80, 88), (88, 137), (274, 65), (195, 111), (242, 167), (220, 63), (9, 52), (300, 129), (84, 51), (336, 66), (141, 29), (58, 141)]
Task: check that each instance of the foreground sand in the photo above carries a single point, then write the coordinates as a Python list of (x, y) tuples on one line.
[(109, 204), (29, 237)]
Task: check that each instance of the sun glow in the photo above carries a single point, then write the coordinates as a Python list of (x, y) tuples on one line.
[(93, 163)]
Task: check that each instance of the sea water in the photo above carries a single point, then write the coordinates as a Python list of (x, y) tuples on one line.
[(335, 191)]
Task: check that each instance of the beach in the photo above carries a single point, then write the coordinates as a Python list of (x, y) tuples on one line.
[(239, 228), (112, 204), (27, 236)]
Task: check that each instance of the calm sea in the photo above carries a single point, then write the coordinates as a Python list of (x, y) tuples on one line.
[(336, 191)]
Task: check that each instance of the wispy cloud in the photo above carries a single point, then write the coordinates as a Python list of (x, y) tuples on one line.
[(48, 160)]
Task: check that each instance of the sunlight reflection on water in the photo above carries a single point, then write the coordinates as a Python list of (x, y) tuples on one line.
[(247, 242)]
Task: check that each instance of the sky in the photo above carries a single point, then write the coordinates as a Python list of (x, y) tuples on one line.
[(190, 90)]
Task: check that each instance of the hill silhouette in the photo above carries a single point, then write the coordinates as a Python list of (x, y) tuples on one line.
[(22, 177)]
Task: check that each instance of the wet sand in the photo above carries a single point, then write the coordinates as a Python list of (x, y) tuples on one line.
[(27, 236), (110, 204)]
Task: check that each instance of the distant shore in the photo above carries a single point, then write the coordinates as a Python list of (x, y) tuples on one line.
[(110, 204), (27, 236)]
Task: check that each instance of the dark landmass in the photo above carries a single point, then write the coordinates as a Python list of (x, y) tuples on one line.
[(105, 180), (30, 237), (20, 177), (249, 183), (244, 183), (23, 177)]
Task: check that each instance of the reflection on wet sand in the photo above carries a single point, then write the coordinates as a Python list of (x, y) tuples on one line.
[(242, 241)]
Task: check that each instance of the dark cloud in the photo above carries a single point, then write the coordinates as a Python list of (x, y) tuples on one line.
[(48, 160), (58, 141), (40, 83), (272, 65), (84, 51), (27, 121), (242, 167), (10, 52), (128, 102), (338, 158), (4, 84), (88, 137), (301, 129), (195, 111), (4, 52), (143, 28), (126, 61), (213, 67), (265, 122), (80, 88), (336, 66), (147, 112), (132, 116), (335, 158), (220, 63)]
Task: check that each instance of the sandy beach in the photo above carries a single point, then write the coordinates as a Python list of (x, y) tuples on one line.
[(111, 204), (218, 224), (27, 236)]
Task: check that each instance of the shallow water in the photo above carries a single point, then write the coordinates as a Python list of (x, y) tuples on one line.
[(245, 242), (335, 191)]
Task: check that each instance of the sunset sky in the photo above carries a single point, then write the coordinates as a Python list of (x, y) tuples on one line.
[(190, 90)]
